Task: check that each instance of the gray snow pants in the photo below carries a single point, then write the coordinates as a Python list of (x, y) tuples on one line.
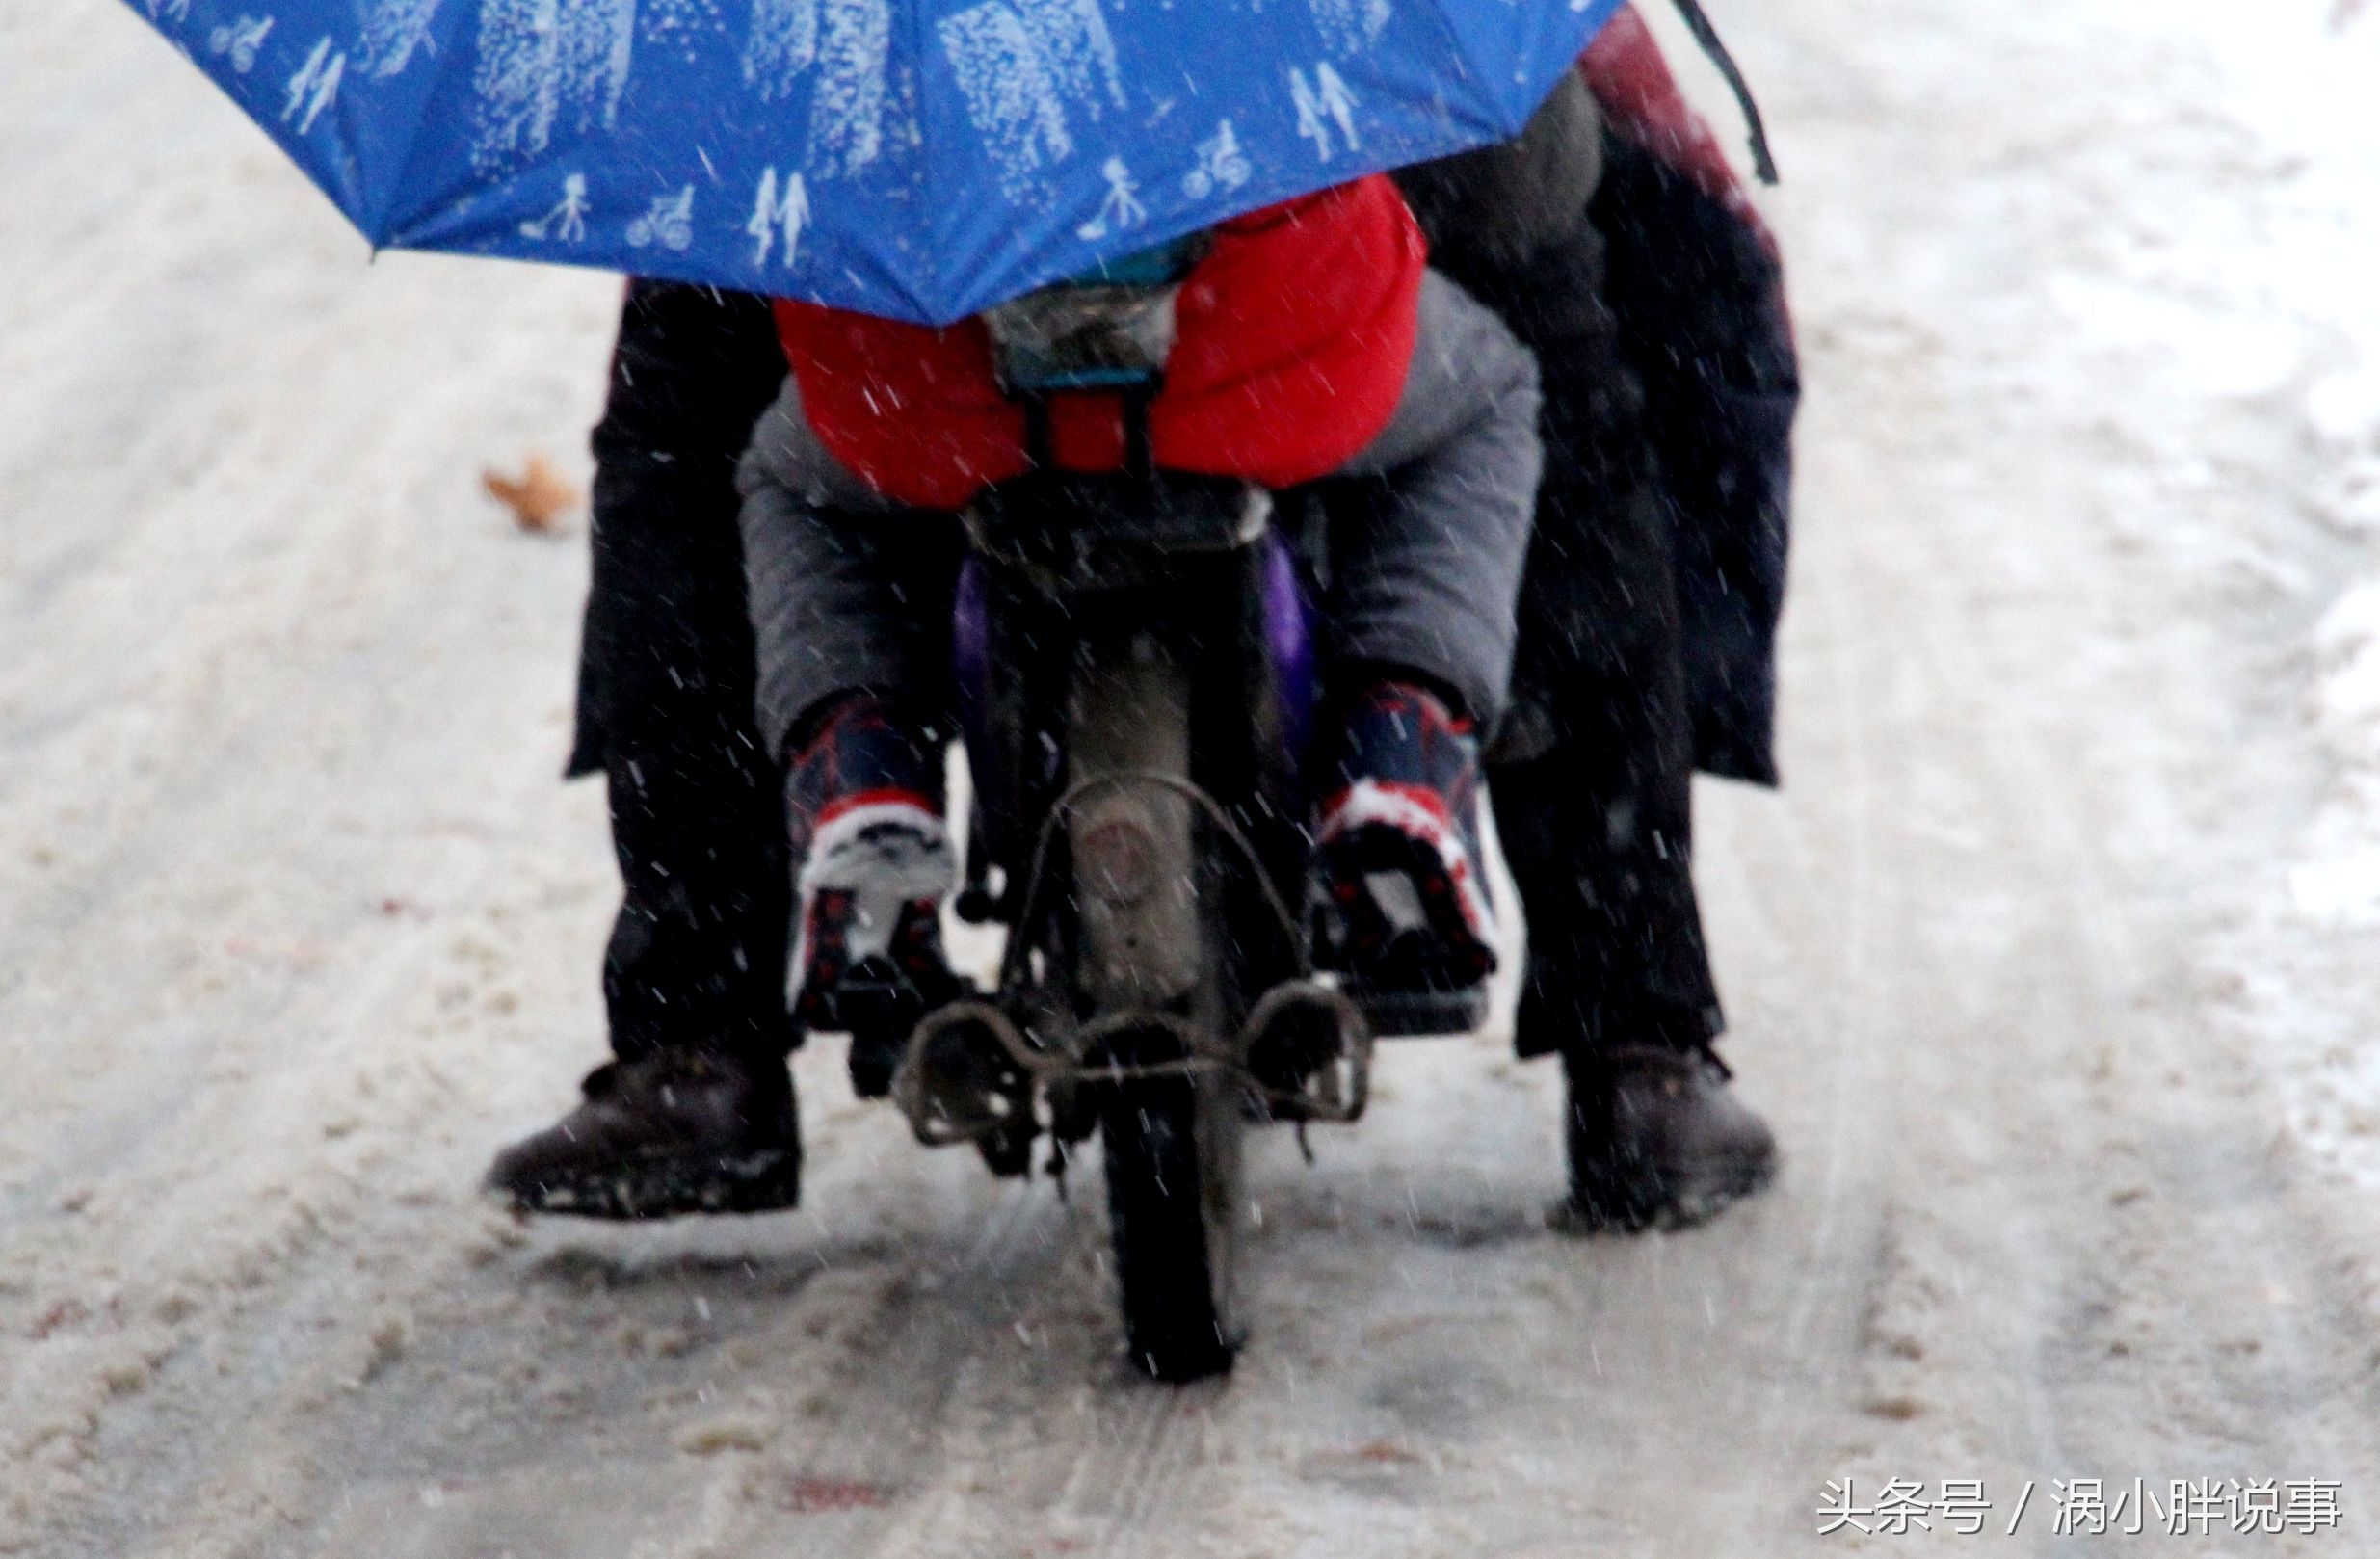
[(852, 592)]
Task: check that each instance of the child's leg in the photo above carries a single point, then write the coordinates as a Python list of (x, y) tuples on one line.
[(1425, 570), (851, 600), (1425, 567), (849, 591)]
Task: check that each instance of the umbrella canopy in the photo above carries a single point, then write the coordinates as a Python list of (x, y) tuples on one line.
[(921, 159)]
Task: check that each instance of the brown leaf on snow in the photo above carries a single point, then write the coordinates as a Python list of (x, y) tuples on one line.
[(539, 497)]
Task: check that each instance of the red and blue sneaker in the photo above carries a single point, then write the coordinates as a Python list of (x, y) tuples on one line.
[(1403, 893), (867, 803)]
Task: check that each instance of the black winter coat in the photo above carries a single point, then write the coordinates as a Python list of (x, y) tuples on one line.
[(1702, 329)]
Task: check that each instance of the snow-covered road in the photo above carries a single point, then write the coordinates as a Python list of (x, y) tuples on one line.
[(2056, 964)]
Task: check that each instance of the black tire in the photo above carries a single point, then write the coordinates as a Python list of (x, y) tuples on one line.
[(1166, 1234), (1172, 1144)]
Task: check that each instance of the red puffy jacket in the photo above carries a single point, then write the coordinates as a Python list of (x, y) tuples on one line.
[(1294, 333)]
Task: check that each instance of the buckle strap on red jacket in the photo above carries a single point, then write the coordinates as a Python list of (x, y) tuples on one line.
[(1294, 335)]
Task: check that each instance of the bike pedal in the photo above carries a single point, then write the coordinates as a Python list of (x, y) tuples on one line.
[(1405, 1015), (879, 1006), (875, 1056)]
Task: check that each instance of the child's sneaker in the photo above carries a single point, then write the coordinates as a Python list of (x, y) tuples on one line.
[(1404, 901), (867, 803)]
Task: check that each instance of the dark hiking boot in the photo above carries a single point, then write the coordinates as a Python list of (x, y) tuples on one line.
[(682, 1132), (865, 799), (1657, 1140), (1401, 888)]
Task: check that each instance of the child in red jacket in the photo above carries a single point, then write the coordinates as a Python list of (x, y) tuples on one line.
[(1310, 342)]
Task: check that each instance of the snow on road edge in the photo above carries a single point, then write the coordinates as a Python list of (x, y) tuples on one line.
[(2303, 966)]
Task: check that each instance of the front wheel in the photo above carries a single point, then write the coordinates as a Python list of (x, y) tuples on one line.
[(1147, 908), (1172, 1174)]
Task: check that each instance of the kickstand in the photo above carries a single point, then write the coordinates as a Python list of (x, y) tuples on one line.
[(1304, 1146)]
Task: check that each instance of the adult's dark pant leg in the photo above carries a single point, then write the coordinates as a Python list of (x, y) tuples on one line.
[(697, 955), (1598, 823), (1591, 778)]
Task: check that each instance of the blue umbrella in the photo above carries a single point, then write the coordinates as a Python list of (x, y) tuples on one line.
[(922, 159)]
